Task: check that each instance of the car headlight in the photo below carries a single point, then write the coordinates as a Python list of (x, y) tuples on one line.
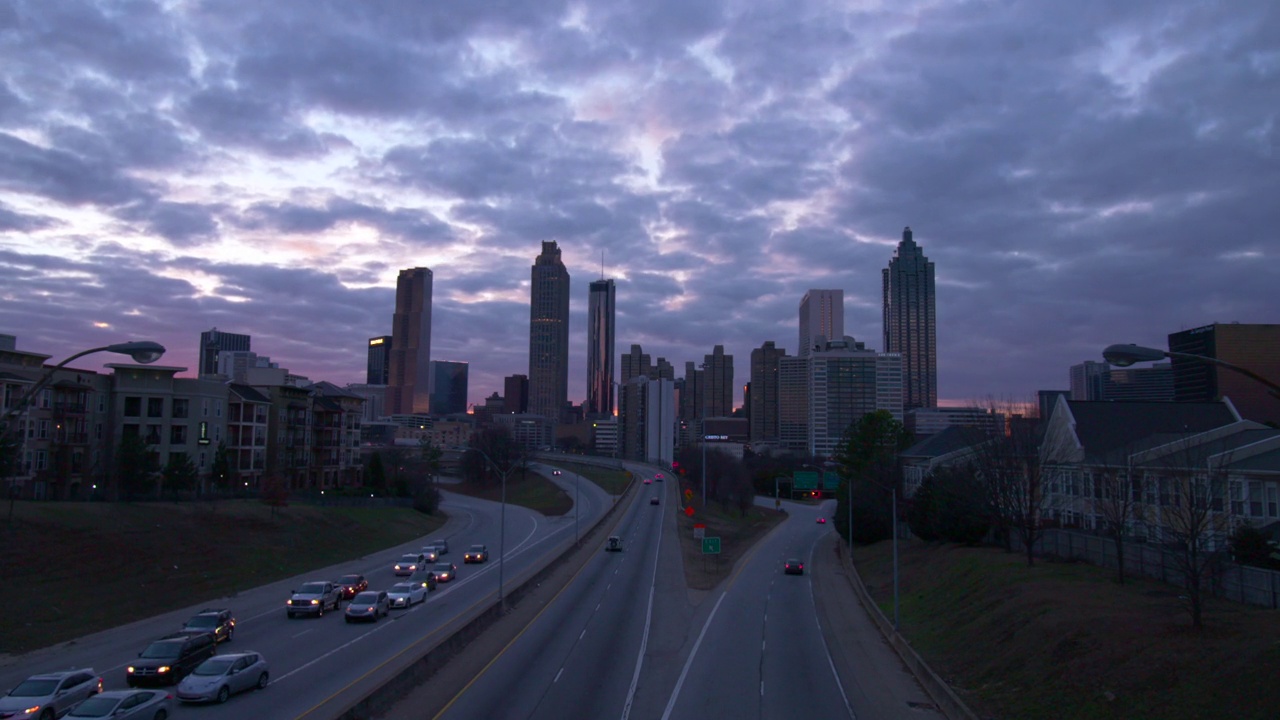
[(130, 670), (397, 567), (315, 602), (163, 669), (30, 711)]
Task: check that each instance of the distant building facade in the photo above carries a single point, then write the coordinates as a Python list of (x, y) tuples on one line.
[(600, 348), (821, 314), (448, 387), (910, 322), (1253, 347), (647, 420), (215, 342), (409, 387), (1099, 381), (846, 382), (548, 334), (763, 404), (922, 422), (515, 394), (379, 363)]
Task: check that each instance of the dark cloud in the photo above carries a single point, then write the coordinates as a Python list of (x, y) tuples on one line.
[(64, 176), (183, 224)]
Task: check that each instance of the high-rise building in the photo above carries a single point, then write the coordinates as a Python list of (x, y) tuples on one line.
[(600, 330), (213, 342), (793, 403), (1092, 380), (379, 361), (1255, 348), (548, 334), (409, 387), (646, 420), (763, 403), (847, 381), (910, 322), (515, 394), (634, 364), (821, 313), (448, 387), (719, 377)]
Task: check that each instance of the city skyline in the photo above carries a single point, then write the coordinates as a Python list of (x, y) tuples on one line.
[(1079, 177)]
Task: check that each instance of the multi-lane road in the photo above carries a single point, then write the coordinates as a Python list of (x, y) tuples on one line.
[(318, 664)]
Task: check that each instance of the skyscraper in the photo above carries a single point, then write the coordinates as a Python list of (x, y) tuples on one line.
[(634, 364), (821, 313), (548, 334), (409, 387), (719, 377), (764, 392), (600, 324), (515, 394), (379, 370), (910, 322), (213, 342), (1254, 347), (448, 387), (847, 381)]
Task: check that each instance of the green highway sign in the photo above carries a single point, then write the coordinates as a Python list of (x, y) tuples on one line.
[(804, 480), (830, 481), (710, 546)]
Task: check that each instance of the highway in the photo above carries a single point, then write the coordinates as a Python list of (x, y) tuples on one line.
[(319, 664)]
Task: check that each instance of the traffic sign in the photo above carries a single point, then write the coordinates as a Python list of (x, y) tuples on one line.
[(699, 532), (688, 510), (804, 480), (688, 493), (710, 546)]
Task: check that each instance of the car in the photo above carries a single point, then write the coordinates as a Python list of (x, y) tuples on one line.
[(613, 544), (658, 477), (653, 500), (555, 472), (425, 578), (793, 567), (442, 545), (221, 676), (445, 571), (126, 705), (49, 695), (312, 598), (476, 554), (822, 521), (648, 481), (409, 563), (219, 621), (369, 605), (171, 658), (431, 553), (405, 594), (351, 584)]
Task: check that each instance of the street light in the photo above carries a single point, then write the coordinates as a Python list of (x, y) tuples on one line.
[(502, 526), (1126, 355), (142, 351)]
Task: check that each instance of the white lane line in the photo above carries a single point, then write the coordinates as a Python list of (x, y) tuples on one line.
[(558, 674), (761, 688), (648, 620), (304, 632), (582, 634), (675, 693), (825, 646), (334, 651)]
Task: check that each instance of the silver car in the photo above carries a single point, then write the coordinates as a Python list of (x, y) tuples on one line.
[(222, 676), (404, 595), (369, 605), (49, 695), (126, 705)]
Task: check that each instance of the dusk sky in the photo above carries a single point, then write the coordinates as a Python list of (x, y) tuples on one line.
[(1081, 173)]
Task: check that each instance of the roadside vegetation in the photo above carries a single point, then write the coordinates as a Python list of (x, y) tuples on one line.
[(77, 568), (494, 457), (611, 480)]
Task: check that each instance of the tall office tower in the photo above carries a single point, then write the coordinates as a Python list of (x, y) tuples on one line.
[(1255, 348), (448, 387), (213, 342), (600, 325), (691, 389), (646, 420), (663, 370), (515, 394), (548, 334), (634, 364), (1099, 381), (910, 322), (764, 392), (847, 381), (821, 313), (379, 360), (719, 383), (793, 403), (409, 387)]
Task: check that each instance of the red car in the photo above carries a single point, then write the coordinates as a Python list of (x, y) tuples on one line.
[(352, 584), (822, 521)]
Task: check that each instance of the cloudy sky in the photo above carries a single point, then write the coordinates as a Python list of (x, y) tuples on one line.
[(1081, 173)]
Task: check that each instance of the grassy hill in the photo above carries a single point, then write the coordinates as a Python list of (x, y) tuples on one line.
[(1066, 641)]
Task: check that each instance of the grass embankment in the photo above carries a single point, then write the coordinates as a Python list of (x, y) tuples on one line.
[(530, 490), (611, 480), (737, 533), (1065, 641), (77, 568)]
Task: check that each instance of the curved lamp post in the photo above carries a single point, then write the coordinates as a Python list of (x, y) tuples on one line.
[(502, 526), (142, 351), (1126, 355)]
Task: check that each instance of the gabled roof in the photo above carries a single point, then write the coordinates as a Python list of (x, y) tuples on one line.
[(248, 393), (1108, 430), (328, 389), (948, 440)]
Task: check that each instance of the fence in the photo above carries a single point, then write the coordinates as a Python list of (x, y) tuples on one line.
[(1241, 583)]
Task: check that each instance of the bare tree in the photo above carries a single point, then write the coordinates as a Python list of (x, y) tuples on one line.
[(1117, 499), (1184, 500)]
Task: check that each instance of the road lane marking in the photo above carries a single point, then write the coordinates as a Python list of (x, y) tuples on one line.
[(831, 663), (304, 632), (558, 674), (648, 620), (675, 693)]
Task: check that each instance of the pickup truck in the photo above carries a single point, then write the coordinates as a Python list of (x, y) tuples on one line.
[(312, 598)]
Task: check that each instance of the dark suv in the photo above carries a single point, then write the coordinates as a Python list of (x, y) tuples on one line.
[(218, 621), (171, 658)]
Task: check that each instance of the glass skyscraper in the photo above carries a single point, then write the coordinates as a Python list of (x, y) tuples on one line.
[(910, 322), (600, 351), (409, 387), (548, 334)]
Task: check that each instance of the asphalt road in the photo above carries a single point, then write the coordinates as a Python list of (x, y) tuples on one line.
[(319, 664)]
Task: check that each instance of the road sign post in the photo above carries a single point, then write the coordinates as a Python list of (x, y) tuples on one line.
[(711, 549)]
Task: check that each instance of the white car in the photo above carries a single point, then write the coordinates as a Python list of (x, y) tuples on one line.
[(404, 595), (126, 705), (222, 676)]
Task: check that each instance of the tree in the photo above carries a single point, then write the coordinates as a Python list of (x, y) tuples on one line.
[(375, 475), (949, 506), (1008, 463), (275, 493), (179, 474), (502, 451), (133, 466), (222, 473), (1117, 491), (868, 460), (426, 498)]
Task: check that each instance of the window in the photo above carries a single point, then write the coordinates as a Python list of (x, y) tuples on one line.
[(133, 407), (1255, 499), (41, 460), (102, 403), (1236, 491), (178, 435), (217, 408), (155, 407), (204, 407), (1271, 500), (153, 435), (201, 463), (42, 430), (181, 408)]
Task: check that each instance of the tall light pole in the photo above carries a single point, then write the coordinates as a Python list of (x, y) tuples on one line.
[(502, 527), (702, 429), (1126, 355)]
